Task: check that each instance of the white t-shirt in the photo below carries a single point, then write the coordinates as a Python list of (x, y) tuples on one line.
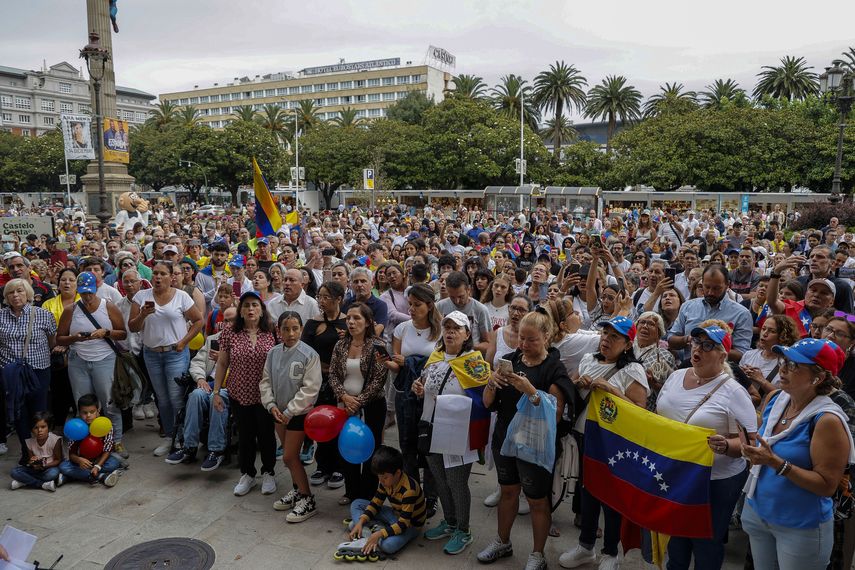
[(575, 346), (108, 293), (414, 341), (754, 357), (622, 379), (498, 315), (167, 325), (724, 412)]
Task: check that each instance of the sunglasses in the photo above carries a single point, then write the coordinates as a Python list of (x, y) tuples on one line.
[(704, 345), (847, 316)]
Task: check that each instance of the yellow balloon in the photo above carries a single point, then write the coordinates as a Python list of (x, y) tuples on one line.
[(197, 342), (100, 426)]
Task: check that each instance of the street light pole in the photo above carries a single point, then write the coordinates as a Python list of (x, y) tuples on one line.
[(190, 163), (838, 83), (96, 58)]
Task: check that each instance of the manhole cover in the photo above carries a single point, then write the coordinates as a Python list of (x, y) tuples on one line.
[(174, 553)]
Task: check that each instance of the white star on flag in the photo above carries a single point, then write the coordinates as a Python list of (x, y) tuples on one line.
[(620, 454), (635, 456), (652, 467), (658, 476), (663, 486), (612, 461), (644, 460)]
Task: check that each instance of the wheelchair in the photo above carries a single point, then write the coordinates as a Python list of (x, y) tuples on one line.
[(188, 384)]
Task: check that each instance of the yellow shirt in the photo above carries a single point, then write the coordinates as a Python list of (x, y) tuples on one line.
[(54, 305)]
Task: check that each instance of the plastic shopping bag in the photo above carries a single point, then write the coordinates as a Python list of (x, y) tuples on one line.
[(532, 432)]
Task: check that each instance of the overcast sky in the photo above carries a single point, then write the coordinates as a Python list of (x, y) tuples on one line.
[(170, 45)]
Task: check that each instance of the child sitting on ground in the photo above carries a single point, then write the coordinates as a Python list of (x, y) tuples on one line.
[(44, 454), (404, 517), (103, 469)]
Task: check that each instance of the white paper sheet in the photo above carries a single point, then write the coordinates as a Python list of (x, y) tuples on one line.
[(451, 425), (18, 545)]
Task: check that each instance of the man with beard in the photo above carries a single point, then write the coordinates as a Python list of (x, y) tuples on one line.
[(715, 304), (818, 298), (820, 264), (214, 275)]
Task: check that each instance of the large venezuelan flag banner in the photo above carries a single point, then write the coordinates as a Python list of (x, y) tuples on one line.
[(267, 218), (652, 470)]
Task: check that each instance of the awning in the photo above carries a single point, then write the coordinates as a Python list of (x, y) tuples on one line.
[(531, 190)]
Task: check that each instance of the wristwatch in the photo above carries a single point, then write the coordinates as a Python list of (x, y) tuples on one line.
[(534, 398)]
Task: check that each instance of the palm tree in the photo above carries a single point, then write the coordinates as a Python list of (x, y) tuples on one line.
[(307, 115), (721, 91), (670, 97), (506, 99), (164, 113), (188, 116), (348, 119), (469, 86), (558, 129), (560, 87), (791, 80), (245, 113), (847, 61), (275, 119), (614, 100)]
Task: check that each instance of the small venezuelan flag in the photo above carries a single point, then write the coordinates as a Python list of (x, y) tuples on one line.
[(653, 470), (472, 372), (267, 218)]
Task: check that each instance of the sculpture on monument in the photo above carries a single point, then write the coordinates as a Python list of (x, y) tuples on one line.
[(133, 209), (113, 11)]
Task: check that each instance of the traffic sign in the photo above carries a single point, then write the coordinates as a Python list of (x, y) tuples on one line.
[(67, 179), (368, 179)]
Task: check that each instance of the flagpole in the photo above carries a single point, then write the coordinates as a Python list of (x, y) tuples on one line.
[(67, 184)]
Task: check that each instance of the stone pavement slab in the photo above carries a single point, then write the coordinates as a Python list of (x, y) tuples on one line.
[(90, 525)]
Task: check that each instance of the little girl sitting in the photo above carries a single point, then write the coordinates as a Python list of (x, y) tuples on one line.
[(44, 453)]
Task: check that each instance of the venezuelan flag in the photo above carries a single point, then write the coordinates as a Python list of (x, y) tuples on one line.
[(292, 218), (267, 219), (652, 470), (472, 372)]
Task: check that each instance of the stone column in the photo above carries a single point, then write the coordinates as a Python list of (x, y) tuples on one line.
[(116, 177)]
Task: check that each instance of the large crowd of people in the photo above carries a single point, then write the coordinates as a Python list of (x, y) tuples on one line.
[(722, 320)]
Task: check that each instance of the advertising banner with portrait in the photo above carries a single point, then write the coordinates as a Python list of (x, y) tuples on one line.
[(77, 136), (116, 141)]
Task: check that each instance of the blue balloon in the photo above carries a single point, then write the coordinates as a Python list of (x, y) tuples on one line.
[(355, 442), (76, 429)]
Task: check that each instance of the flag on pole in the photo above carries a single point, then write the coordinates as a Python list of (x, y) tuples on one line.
[(653, 470), (267, 218)]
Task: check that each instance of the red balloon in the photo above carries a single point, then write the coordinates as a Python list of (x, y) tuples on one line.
[(324, 423), (91, 447)]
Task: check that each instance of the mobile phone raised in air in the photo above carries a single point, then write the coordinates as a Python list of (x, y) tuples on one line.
[(504, 366), (671, 273)]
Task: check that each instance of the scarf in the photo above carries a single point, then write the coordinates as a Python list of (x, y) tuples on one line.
[(472, 372), (819, 405)]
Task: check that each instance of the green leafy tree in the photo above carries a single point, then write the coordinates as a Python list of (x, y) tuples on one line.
[(790, 80), (411, 108), (560, 87), (722, 93), (188, 116), (333, 157), (402, 155), (848, 60), (348, 118), (469, 86), (240, 142), (34, 164), (582, 164), (558, 129), (164, 114), (613, 100), (670, 99), (245, 114), (512, 92), (276, 120), (307, 115)]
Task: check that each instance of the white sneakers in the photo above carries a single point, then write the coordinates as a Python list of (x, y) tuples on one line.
[(609, 562), (150, 410), (164, 448), (268, 484), (524, 507), (493, 498), (245, 484), (578, 556), (139, 412)]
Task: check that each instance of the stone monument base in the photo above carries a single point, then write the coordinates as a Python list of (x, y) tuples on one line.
[(116, 181)]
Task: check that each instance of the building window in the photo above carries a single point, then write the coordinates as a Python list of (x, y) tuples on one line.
[(305, 89), (185, 101), (346, 84), (25, 134), (270, 92), (374, 112), (66, 107), (293, 90), (258, 107), (417, 79), (388, 81), (332, 86), (388, 96), (204, 99), (402, 94), (281, 90), (332, 100), (7, 117), (403, 79), (374, 82), (333, 115), (84, 108), (48, 105), (65, 88), (139, 117), (319, 102), (320, 87), (360, 99), (360, 84), (373, 97), (24, 119), (127, 115), (22, 103), (258, 94), (360, 113), (49, 121), (6, 100), (346, 100), (194, 100), (215, 98)]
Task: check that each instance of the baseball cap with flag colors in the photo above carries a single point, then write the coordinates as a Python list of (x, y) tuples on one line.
[(716, 334), (820, 352)]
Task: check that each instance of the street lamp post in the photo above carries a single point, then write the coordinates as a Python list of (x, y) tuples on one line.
[(838, 83), (96, 58), (190, 164)]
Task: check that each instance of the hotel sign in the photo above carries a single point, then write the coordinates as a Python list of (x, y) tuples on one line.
[(355, 66), (442, 56)]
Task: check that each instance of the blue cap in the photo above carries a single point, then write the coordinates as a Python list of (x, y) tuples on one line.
[(716, 334), (237, 260), (730, 250), (255, 294), (546, 249), (86, 283), (413, 235), (243, 248), (820, 352), (485, 251), (363, 260), (262, 241), (622, 325)]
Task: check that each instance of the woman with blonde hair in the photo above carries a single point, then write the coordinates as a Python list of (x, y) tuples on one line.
[(657, 360), (761, 364)]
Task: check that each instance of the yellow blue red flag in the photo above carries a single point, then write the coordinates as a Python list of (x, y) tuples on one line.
[(267, 218), (653, 470)]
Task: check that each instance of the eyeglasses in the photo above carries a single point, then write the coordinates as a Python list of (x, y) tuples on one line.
[(651, 324), (704, 345), (785, 365), (830, 331), (517, 309)]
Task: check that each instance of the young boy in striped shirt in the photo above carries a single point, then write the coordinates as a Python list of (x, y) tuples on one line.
[(402, 520)]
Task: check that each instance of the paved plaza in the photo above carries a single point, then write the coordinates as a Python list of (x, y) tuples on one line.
[(155, 500)]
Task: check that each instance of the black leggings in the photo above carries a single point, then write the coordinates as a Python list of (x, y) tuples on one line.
[(326, 453), (359, 481), (61, 396), (255, 433)]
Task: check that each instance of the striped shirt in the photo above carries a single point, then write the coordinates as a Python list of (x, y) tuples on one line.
[(408, 502), (13, 333)]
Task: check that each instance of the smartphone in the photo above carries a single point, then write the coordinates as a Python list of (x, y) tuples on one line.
[(149, 304), (215, 344), (671, 273), (329, 251), (86, 334), (504, 366), (596, 241), (381, 350), (327, 275), (574, 268)]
